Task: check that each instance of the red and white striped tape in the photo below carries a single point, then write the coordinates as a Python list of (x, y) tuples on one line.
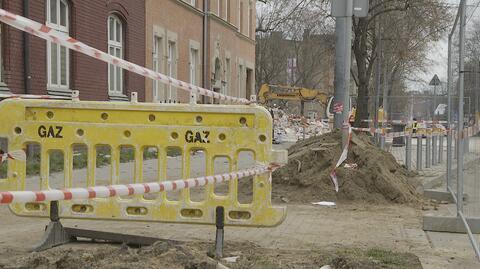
[(31, 96), (18, 155), (49, 34), (126, 190), (343, 157)]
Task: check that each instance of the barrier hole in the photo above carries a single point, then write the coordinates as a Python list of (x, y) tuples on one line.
[(56, 174), (137, 211), (151, 118), (199, 119), (174, 170), (104, 116), (150, 170), (246, 160), (198, 168), (35, 207), (33, 181), (222, 137), (243, 121), (82, 208), (261, 185), (221, 165), (262, 138), (79, 165), (127, 133), (18, 130), (103, 165), (50, 114), (127, 166), (191, 213), (80, 132), (174, 136), (240, 215), (4, 165)]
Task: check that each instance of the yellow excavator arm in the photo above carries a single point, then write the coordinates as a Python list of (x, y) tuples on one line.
[(290, 93)]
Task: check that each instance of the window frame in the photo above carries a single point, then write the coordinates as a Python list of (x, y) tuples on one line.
[(158, 55), (117, 44), (58, 86)]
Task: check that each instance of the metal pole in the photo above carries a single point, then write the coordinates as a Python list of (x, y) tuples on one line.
[(408, 152), (434, 149), (461, 88), (378, 77), (220, 236), (419, 152), (434, 101), (428, 152), (477, 89), (384, 105), (343, 56), (440, 148)]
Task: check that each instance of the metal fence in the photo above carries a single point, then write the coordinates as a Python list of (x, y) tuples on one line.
[(463, 147)]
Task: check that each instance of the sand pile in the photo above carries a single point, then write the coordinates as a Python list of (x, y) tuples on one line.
[(377, 178)]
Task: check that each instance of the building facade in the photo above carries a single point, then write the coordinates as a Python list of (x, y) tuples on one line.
[(31, 65), (209, 43)]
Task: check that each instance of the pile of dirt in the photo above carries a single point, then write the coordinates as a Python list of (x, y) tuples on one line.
[(194, 256), (375, 177)]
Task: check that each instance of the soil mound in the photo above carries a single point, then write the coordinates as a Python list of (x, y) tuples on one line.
[(376, 177)]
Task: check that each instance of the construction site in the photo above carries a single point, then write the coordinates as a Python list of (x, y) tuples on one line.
[(240, 134)]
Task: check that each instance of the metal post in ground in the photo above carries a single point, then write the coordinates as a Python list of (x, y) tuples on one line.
[(408, 152), (449, 115), (428, 152), (343, 56), (434, 150), (441, 139), (461, 89), (219, 239), (419, 152)]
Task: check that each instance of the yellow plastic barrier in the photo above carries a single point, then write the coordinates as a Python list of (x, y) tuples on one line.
[(100, 143)]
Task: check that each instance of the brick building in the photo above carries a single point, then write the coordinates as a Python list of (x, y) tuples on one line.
[(213, 49), (31, 65)]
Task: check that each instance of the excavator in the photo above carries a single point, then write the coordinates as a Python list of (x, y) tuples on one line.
[(269, 93)]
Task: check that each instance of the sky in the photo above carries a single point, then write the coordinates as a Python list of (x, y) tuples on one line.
[(438, 55)]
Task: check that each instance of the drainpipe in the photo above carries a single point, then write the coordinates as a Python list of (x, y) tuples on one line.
[(26, 51), (206, 45)]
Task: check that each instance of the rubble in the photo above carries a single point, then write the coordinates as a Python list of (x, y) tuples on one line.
[(377, 177)]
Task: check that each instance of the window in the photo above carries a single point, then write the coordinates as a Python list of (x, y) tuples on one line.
[(227, 10), (240, 17), (158, 89), (193, 66), (58, 63), (249, 19), (193, 3), (240, 80), (171, 69), (227, 76), (115, 48)]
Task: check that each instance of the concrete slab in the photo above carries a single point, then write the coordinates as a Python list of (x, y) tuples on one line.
[(442, 196), (450, 224)]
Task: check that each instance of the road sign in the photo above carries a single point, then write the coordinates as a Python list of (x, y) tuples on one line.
[(435, 81), (348, 8)]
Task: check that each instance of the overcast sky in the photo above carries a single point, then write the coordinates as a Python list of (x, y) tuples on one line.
[(439, 52)]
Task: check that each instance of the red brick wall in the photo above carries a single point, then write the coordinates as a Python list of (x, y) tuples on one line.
[(88, 23)]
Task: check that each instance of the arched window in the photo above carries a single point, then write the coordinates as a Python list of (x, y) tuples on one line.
[(58, 57), (115, 48)]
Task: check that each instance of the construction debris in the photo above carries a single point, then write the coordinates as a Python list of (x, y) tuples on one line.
[(372, 175)]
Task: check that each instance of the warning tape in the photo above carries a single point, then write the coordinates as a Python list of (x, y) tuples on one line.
[(31, 96), (127, 190), (49, 34), (343, 157)]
